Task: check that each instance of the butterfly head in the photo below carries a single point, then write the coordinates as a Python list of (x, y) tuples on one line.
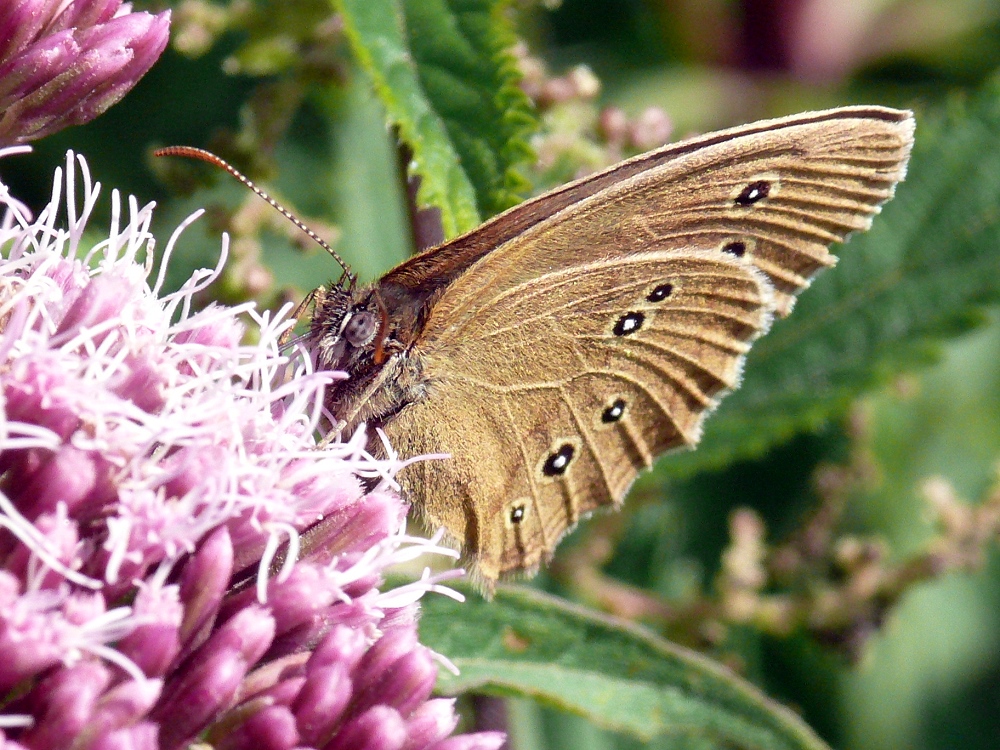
[(347, 326)]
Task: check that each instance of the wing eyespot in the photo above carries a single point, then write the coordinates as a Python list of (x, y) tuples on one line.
[(735, 247), (614, 411), (517, 513), (559, 460), (753, 193), (629, 323), (660, 292)]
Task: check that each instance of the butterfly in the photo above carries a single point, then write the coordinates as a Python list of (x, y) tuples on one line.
[(558, 349)]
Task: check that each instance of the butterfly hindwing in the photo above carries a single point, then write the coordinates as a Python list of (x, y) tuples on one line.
[(552, 399)]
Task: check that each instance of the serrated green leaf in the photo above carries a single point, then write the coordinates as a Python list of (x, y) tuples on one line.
[(620, 676), (376, 29), (462, 48), (444, 74), (917, 277)]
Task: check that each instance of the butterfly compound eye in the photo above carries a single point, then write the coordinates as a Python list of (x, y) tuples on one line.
[(361, 328)]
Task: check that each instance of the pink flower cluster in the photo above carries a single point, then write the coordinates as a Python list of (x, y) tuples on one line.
[(156, 474), (64, 62)]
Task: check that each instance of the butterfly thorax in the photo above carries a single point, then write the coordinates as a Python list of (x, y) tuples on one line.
[(346, 335)]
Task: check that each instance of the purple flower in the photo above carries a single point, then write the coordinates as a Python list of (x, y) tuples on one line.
[(65, 62), (155, 476)]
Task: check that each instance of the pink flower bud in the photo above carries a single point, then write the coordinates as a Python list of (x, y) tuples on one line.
[(121, 706), (379, 728), (142, 736), (69, 476), (271, 728), (430, 723), (65, 702), (64, 64), (477, 741), (198, 695), (203, 584), (342, 645), (321, 702), (155, 642)]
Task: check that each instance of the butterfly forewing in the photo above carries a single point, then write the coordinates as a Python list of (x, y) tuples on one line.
[(778, 193)]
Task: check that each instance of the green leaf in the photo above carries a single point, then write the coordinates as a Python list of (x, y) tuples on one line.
[(620, 676), (444, 74), (919, 276), (462, 49)]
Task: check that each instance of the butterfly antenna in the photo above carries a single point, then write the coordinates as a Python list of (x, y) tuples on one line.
[(207, 156)]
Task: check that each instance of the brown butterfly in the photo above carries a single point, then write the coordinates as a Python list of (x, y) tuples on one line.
[(558, 349)]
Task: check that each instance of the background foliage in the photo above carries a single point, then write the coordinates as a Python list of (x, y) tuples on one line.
[(875, 619)]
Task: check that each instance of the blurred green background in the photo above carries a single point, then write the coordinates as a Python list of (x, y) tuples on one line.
[(286, 103)]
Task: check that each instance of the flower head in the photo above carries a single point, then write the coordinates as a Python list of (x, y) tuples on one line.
[(155, 476), (64, 62)]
